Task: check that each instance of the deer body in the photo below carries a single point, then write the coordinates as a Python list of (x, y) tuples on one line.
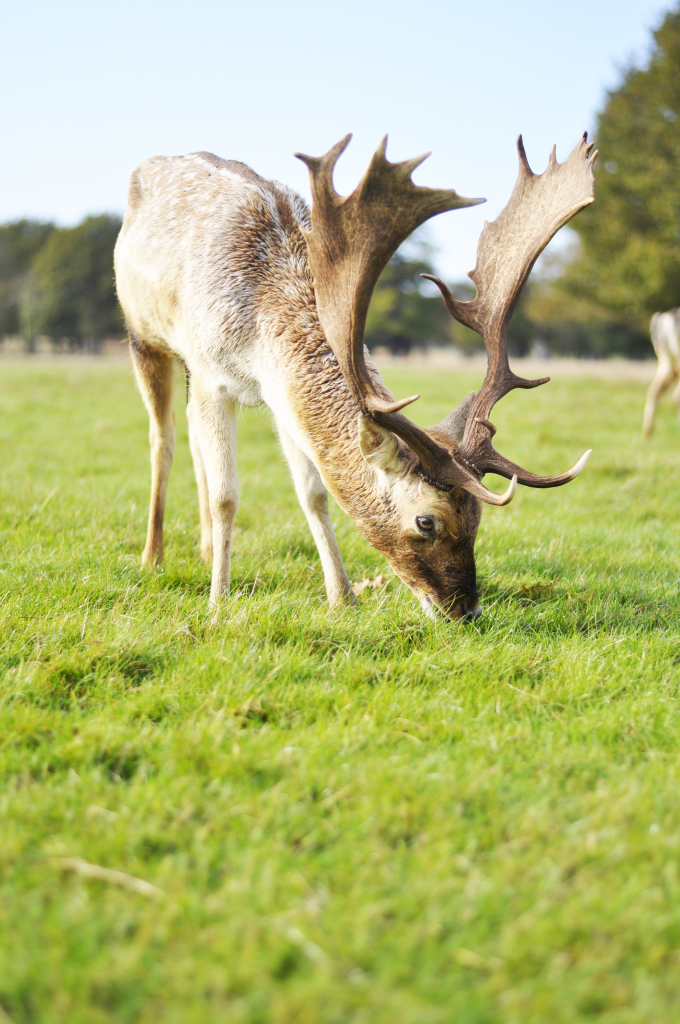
[(266, 302), (212, 269), (665, 332)]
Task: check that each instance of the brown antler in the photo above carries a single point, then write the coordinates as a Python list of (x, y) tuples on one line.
[(351, 240), (508, 248)]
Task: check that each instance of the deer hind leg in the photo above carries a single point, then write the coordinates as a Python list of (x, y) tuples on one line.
[(663, 378), (215, 417), (153, 370), (201, 481), (313, 498)]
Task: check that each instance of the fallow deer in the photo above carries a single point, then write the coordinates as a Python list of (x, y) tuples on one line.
[(665, 332), (264, 302)]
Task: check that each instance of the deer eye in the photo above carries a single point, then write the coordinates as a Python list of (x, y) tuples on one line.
[(425, 523)]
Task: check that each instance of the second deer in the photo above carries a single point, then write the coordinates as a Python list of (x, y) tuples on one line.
[(665, 332)]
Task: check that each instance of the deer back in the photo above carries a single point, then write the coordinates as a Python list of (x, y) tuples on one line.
[(210, 254)]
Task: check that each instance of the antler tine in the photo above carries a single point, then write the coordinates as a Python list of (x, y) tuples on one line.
[(321, 169), (438, 458), (351, 240), (508, 247)]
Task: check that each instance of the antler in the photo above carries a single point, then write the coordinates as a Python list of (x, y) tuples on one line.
[(351, 240), (508, 248)]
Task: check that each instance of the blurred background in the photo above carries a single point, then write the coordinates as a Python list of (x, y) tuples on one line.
[(90, 90)]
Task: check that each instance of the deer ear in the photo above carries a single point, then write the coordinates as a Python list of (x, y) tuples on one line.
[(379, 447), (454, 424)]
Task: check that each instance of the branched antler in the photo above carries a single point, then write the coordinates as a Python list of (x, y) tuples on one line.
[(351, 240), (508, 248)]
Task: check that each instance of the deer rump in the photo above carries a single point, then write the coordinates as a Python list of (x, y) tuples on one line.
[(414, 492)]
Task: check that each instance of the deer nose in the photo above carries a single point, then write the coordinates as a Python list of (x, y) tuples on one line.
[(466, 608), (472, 611)]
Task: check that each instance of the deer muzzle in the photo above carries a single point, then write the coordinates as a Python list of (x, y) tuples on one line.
[(466, 607)]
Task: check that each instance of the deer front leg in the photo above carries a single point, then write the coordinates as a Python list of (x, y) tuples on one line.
[(313, 498), (153, 370), (215, 416), (201, 482), (676, 398), (663, 378)]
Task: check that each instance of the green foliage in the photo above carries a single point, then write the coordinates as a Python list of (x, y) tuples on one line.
[(407, 312), (20, 242), (571, 325), (629, 262), (59, 282), (404, 313), (74, 291), (359, 817)]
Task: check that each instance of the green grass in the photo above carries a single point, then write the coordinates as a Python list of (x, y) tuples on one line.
[(360, 817)]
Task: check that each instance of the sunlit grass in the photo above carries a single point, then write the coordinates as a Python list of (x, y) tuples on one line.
[(360, 816)]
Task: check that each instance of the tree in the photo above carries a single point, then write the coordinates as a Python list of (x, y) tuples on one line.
[(628, 266), (19, 244), (73, 294), (402, 314)]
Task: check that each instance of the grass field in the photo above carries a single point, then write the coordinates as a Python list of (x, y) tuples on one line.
[(343, 818)]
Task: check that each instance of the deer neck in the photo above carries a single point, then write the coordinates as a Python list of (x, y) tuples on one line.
[(315, 404), (326, 421)]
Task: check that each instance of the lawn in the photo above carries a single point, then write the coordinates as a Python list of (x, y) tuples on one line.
[(360, 817)]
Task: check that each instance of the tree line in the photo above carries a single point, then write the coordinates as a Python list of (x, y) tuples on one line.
[(58, 282), (594, 301)]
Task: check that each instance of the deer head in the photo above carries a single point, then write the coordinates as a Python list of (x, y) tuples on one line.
[(433, 476)]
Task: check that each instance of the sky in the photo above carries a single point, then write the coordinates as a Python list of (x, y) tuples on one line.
[(89, 89)]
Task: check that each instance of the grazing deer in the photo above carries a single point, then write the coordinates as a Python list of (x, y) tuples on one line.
[(665, 331), (265, 303)]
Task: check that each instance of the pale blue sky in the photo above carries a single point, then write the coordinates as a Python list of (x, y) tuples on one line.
[(89, 88)]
